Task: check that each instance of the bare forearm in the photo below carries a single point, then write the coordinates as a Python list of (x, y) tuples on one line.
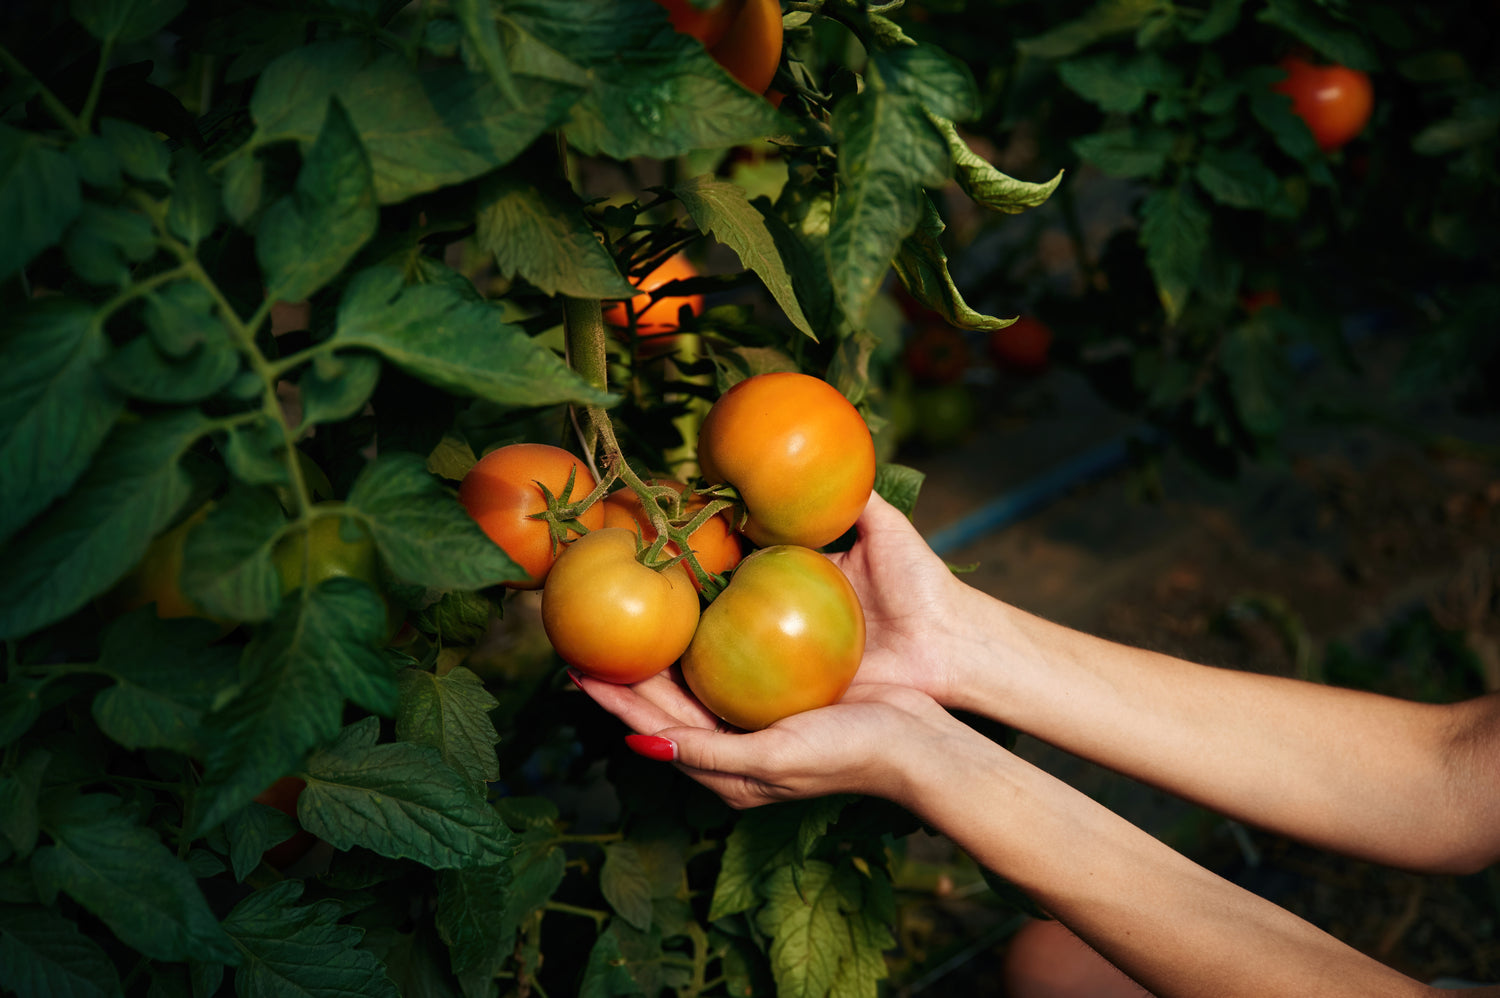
[(1172, 926), (1353, 771)]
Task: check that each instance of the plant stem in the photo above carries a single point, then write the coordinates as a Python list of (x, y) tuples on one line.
[(58, 109), (85, 117)]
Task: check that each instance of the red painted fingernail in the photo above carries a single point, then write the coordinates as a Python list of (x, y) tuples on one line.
[(574, 677), (652, 747)]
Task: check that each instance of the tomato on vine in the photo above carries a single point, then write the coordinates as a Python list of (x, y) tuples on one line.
[(786, 635), (797, 451), (936, 354), (157, 577), (660, 317), (612, 617), (751, 48), (715, 545), (503, 493), (1335, 101), (708, 25), (1023, 346), (321, 552)]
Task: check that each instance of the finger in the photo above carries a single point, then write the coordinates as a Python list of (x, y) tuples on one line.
[(669, 691), (629, 704)]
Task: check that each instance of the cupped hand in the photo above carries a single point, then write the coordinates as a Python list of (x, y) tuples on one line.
[(912, 601), (863, 744)]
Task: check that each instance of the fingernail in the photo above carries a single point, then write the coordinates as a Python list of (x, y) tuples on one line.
[(574, 677), (652, 747)]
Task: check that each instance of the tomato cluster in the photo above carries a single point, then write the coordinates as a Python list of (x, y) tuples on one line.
[(619, 603)]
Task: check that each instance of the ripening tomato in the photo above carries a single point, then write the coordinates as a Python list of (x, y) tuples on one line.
[(283, 796), (157, 577), (501, 494), (321, 553), (659, 317), (613, 618), (708, 26), (1335, 101), (936, 354), (785, 636), (1023, 346), (751, 48), (798, 452), (715, 544)]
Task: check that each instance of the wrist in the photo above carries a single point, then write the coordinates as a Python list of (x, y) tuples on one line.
[(986, 651)]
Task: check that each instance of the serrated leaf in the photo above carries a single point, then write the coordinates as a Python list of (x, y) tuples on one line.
[(301, 949), (541, 235), (450, 713), (650, 90), (141, 369), (483, 38), (125, 21), (763, 840), (422, 131), (401, 801), (424, 535), (721, 209), (321, 649), (39, 197), (307, 237), (1117, 83), (1105, 19), (455, 342), (226, 564), (987, 185), (193, 210), (166, 676), (805, 920), (84, 544), (899, 485), (255, 449), (922, 266), (1127, 152), (336, 386), (19, 791), (182, 316), (1307, 23), (141, 154), (941, 83), (55, 405), (122, 873), (470, 905), (43, 953), (1174, 232), (624, 884), (606, 974), (104, 241), (1238, 179), (252, 830)]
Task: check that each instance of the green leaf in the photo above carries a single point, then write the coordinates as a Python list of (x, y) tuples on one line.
[(651, 91), (607, 974), (422, 130), (122, 873), (888, 150), (987, 185), (1120, 84), (105, 241), (39, 197), (922, 266), (899, 485), (1105, 19), (471, 904), (400, 801), (1174, 232), (450, 714), (141, 154), (1308, 24), (182, 316), (166, 676), (1287, 128), (43, 953), (763, 840), (193, 210), (1127, 152), (721, 209), (941, 83), (55, 405), (337, 386), (96, 161), (19, 791), (624, 884), (424, 535), (537, 870), (255, 450), (1253, 359), (816, 942), (20, 706), (307, 237), (301, 949), (540, 234), (88, 541), (321, 649), (252, 830), (1220, 19), (1239, 179), (141, 369), (244, 185), (483, 38), (455, 342), (125, 21)]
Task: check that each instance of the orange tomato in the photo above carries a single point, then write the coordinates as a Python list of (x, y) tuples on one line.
[(708, 26), (751, 48), (715, 544), (657, 317), (1335, 101)]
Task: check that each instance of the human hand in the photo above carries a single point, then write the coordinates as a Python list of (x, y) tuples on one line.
[(862, 744)]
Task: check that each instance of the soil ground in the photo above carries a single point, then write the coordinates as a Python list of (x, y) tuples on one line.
[(1369, 556)]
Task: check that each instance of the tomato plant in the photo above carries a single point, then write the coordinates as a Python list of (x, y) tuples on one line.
[(283, 796), (936, 354), (797, 451), (157, 578), (1335, 101), (504, 494), (785, 636), (612, 617), (751, 47), (705, 24), (715, 544), (1023, 346), (322, 552), (658, 316)]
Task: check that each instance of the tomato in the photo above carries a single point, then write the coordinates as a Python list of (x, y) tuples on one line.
[(501, 494), (715, 544), (157, 578), (708, 26), (283, 795), (799, 454), (659, 317), (936, 354), (786, 635), (610, 616), (321, 553), (1022, 346), (1335, 101), (751, 49)]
